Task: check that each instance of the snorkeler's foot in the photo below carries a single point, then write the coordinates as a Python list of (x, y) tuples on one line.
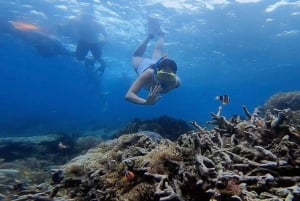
[(154, 28), (99, 68)]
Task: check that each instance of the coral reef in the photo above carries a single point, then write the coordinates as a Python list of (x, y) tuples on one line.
[(45, 146), (284, 100), (256, 159), (167, 127)]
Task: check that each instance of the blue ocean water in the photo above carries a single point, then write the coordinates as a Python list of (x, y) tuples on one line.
[(248, 49)]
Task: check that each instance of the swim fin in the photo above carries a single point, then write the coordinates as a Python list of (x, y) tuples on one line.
[(99, 68), (154, 27)]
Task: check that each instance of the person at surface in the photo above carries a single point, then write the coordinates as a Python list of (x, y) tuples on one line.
[(156, 74), (45, 44), (91, 36)]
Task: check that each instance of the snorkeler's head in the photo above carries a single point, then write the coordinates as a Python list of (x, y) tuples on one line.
[(167, 65), (87, 12), (166, 72)]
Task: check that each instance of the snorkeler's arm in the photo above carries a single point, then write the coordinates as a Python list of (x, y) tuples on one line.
[(153, 96), (178, 82), (132, 93)]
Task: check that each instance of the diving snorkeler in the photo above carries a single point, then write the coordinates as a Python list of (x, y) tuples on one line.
[(158, 75), (46, 45)]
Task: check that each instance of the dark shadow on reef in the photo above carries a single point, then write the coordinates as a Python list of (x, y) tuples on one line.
[(166, 126)]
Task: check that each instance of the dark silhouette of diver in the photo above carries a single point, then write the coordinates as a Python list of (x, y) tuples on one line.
[(46, 45), (90, 36)]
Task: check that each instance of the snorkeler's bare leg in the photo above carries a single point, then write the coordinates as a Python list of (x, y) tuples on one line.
[(159, 47), (139, 52), (153, 30)]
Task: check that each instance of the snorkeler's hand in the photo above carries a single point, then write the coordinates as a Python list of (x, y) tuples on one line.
[(154, 95)]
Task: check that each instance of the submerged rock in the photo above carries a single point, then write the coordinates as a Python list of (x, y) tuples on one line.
[(9, 172), (154, 136)]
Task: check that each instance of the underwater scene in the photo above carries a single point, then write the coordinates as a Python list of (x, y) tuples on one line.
[(147, 100)]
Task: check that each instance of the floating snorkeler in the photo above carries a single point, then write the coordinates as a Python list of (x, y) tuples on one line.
[(158, 75), (46, 45)]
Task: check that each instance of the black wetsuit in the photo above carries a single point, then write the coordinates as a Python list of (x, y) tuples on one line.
[(89, 32), (84, 47)]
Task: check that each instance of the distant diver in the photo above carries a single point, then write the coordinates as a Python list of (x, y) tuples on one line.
[(46, 45), (90, 35)]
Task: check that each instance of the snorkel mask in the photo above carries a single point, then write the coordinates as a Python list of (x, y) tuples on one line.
[(165, 72), (166, 79)]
